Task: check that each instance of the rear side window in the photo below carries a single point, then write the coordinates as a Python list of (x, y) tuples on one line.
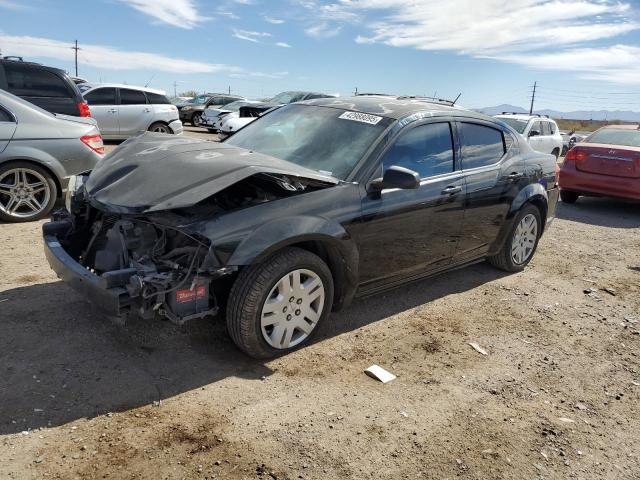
[(426, 149), (480, 145), (132, 97), (552, 128), (545, 128), (28, 81), (101, 96), (5, 116), (157, 99)]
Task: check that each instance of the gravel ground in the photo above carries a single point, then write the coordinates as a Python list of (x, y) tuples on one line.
[(557, 396)]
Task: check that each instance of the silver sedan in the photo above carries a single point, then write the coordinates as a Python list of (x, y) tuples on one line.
[(39, 151)]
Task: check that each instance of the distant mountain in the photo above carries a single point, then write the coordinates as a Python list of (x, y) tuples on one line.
[(622, 115)]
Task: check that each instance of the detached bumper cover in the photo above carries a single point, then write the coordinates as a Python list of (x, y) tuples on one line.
[(176, 127), (89, 285)]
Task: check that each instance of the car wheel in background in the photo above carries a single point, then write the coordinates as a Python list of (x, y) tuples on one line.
[(160, 127), (556, 153), (522, 241), (196, 119), (567, 196), (275, 306), (27, 192), (211, 130)]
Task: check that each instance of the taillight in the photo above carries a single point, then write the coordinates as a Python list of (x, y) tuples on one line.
[(576, 154), (84, 109), (94, 142)]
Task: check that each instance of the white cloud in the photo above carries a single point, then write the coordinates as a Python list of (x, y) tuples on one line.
[(177, 13), (274, 21), (109, 58), (283, 45), (323, 30), (10, 5), (614, 64), (250, 36)]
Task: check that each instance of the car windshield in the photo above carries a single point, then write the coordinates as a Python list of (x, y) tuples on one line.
[(287, 97), (515, 123), (83, 87), (328, 140), (199, 100), (234, 106), (616, 136)]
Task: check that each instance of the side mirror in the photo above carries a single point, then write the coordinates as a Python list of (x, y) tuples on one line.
[(534, 133), (395, 177)]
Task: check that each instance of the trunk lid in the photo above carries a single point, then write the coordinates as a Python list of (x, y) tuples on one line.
[(603, 159)]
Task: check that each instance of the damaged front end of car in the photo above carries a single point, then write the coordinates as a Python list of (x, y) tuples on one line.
[(141, 260)]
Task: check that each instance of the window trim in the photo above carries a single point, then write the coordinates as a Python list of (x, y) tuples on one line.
[(483, 124), (119, 97)]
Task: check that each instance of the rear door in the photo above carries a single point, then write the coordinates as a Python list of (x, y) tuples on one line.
[(7, 127), (134, 114), (41, 87), (163, 109), (494, 175), (104, 108)]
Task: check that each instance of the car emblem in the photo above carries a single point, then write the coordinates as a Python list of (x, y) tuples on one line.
[(612, 152)]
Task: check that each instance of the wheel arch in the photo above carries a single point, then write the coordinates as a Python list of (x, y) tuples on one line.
[(47, 168), (326, 239)]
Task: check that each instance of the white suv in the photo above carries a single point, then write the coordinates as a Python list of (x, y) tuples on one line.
[(541, 132), (123, 110)]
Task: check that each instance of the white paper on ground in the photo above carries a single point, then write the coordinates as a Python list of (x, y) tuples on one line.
[(379, 373)]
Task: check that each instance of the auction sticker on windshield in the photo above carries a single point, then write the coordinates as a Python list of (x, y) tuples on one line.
[(361, 117)]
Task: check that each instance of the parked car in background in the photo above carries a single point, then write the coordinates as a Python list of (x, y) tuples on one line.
[(606, 163), (283, 98), (39, 151), (191, 111), (212, 115), (179, 100), (541, 132), (290, 218), (124, 110), (49, 88), (577, 137), (231, 123)]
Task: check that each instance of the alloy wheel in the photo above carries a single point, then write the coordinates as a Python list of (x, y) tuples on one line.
[(524, 239), (160, 128), (24, 193), (292, 309)]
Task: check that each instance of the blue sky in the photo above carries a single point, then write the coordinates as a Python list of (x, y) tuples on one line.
[(584, 54)]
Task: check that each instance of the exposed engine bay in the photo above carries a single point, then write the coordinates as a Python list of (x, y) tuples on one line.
[(164, 268)]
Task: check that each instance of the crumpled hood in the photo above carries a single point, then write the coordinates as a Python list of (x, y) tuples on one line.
[(152, 172)]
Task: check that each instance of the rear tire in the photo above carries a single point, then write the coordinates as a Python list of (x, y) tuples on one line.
[(160, 127), (567, 196), (521, 243), (27, 192), (276, 305)]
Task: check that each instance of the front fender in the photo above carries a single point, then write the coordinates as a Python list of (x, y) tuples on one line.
[(279, 233)]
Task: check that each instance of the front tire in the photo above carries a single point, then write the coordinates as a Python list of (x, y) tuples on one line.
[(27, 192), (521, 243), (567, 196), (276, 305), (196, 119)]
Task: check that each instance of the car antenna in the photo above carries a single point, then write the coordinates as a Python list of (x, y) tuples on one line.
[(147, 84), (454, 102)]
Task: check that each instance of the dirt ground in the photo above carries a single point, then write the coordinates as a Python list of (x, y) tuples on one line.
[(556, 397)]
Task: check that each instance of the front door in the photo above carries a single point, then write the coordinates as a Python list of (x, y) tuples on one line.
[(134, 114), (404, 233), (104, 108)]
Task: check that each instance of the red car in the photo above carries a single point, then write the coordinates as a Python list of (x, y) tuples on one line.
[(606, 163)]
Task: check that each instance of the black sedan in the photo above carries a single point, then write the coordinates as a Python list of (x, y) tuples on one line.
[(300, 211)]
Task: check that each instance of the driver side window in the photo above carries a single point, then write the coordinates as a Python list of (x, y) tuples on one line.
[(426, 149)]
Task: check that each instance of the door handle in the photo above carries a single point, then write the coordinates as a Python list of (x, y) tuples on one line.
[(113, 110), (452, 190), (514, 176), (147, 110)]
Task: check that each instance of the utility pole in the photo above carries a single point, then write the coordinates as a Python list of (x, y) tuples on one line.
[(76, 48), (229, 89), (356, 91), (175, 85), (533, 97)]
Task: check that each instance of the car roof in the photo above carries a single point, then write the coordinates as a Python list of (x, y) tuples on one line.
[(121, 85), (625, 126), (396, 107), (524, 116), (33, 64)]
